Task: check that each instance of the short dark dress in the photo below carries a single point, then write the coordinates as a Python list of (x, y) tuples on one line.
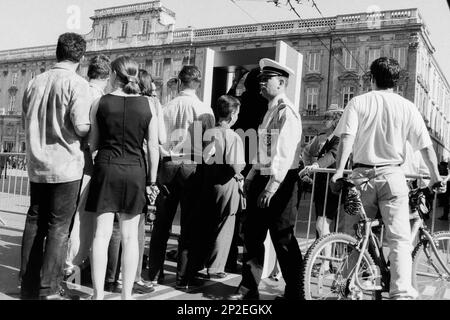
[(118, 182)]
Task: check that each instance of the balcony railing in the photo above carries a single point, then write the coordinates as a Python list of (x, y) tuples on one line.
[(134, 8), (357, 20)]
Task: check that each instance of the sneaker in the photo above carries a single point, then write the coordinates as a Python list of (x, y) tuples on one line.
[(185, 284)]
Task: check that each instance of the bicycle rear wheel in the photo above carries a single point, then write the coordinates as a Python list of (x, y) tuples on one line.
[(429, 277), (327, 266)]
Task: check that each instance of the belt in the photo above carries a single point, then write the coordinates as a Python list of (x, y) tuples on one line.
[(189, 157), (131, 161), (374, 166)]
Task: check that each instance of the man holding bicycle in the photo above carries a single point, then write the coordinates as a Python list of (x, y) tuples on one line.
[(375, 127)]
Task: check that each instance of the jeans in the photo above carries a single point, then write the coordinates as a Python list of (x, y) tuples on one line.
[(178, 178), (82, 234), (44, 242), (387, 191)]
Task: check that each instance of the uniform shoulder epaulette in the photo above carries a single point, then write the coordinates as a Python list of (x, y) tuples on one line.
[(281, 104)]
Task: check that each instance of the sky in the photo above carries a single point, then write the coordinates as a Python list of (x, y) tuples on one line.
[(27, 23)]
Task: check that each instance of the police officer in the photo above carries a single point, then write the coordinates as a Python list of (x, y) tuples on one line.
[(271, 187)]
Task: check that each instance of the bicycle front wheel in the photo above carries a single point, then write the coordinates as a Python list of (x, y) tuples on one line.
[(328, 270), (429, 276)]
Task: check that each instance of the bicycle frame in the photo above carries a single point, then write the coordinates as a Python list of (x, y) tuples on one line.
[(369, 243), (364, 246)]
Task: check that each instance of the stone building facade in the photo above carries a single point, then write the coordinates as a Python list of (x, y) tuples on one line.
[(337, 54)]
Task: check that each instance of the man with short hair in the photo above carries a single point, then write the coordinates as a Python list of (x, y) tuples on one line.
[(186, 119), (271, 187), (56, 117), (81, 236), (376, 126)]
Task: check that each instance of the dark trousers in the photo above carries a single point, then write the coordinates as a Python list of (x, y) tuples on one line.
[(179, 179), (279, 220), (45, 237)]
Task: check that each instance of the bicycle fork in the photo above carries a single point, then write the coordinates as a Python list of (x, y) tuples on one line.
[(430, 241)]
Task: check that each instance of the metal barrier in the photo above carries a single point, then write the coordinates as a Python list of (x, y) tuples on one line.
[(15, 191), (329, 173), (14, 183)]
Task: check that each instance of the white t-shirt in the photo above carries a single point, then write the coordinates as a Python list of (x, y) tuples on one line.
[(381, 122)]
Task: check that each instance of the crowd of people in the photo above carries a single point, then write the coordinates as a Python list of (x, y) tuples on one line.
[(101, 151)]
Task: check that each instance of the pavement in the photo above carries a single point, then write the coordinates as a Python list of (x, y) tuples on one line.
[(10, 244)]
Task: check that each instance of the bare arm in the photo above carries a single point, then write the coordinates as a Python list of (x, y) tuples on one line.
[(429, 156), (162, 135), (94, 134), (153, 149), (344, 150)]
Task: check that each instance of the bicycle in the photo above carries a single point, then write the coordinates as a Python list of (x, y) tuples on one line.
[(340, 266)]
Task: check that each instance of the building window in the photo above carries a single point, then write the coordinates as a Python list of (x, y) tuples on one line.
[(104, 34), (33, 74), (373, 55), (14, 78), (124, 31), (308, 138), (177, 65), (24, 148), (312, 97), (8, 146), (145, 26), (399, 54), (347, 94), (314, 62), (142, 66), (12, 102), (349, 57), (157, 68)]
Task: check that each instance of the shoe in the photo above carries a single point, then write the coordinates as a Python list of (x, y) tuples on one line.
[(114, 287), (444, 218), (142, 288), (159, 280), (61, 295), (188, 284), (242, 296), (216, 275)]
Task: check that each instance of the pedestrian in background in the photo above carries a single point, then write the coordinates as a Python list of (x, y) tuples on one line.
[(271, 187), (376, 127), (222, 187), (121, 122), (323, 155), (180, 155), (82, 233), (56, 112)]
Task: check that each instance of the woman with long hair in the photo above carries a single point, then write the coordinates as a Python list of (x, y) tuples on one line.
[(148, 90), (121, 121)]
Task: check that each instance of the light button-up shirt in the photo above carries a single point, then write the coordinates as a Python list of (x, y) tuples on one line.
[(279, 137)]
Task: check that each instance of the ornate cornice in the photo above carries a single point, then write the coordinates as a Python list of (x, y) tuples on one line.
[(313, 77), (349, 76)]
